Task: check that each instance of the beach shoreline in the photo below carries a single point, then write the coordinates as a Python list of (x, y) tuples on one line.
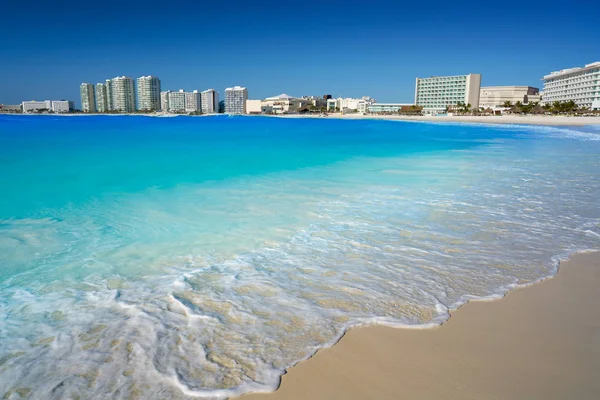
[(555, 120), (546, 120), (535, 342)]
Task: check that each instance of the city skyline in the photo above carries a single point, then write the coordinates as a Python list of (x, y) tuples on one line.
[(347, 49)]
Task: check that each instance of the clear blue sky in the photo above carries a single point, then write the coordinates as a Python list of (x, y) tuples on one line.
[(345, 48)]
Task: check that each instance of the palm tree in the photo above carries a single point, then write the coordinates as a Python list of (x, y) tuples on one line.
[(569, 106), (556, 107), (507, 104)]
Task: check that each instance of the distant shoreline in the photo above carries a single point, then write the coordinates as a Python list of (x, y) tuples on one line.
[(555, 120)]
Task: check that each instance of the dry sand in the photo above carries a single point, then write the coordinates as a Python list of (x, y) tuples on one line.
[(539, 342), (504, 119)]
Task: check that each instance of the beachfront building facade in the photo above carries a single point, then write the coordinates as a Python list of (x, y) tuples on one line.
[(55, 106), (62, 106), (317, 101), (88, 99), (177, 102), (349, 105), (123, 94), (437, 93), (581, 85), (193, 101), (255, 107), (388, 108), (497, 96), (109, 100), (164, 100), (285, 104), (210, 101), (36, 106), (101, 98), (181, 101), (148, 93), (235, 100), (11, 108)]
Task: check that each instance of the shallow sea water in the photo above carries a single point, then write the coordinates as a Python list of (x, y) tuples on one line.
[(202, 256)]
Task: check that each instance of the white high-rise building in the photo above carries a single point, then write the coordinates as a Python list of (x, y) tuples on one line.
[(101, 98), (177, 101), (438, 92), (235, 100), (582, 85), (210, 101), (88, 100), (123, 94), (148, 93), (109, 101), (164, 101), (193, 101)]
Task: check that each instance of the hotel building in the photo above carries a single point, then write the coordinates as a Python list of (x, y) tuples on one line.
[(62, 106), (235, 100), (438, 92), (496, 96), (283, 104), (193, 101), (56, 106), (210, 101), (123, 94), (346, 105), (88, 100), (388, 108), (148, 93), (582, 85), (109, 101), (176, 101), (164, 100), (101, 98)]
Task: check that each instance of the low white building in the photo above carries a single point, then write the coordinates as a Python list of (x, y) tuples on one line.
[(10, 108), (496, 96), (62, 106), (253, 106), (384, 108), (36, 106), (284, 104), (349, 105)]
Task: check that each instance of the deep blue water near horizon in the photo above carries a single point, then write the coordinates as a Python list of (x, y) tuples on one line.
[(202, 256)]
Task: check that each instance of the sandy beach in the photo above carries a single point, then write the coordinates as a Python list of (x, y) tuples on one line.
[(549, 120), (539, 342)]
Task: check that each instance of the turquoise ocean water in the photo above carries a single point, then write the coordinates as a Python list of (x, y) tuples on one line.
[(196, 257)]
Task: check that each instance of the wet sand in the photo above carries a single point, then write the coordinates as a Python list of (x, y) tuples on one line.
[(539, 342)]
